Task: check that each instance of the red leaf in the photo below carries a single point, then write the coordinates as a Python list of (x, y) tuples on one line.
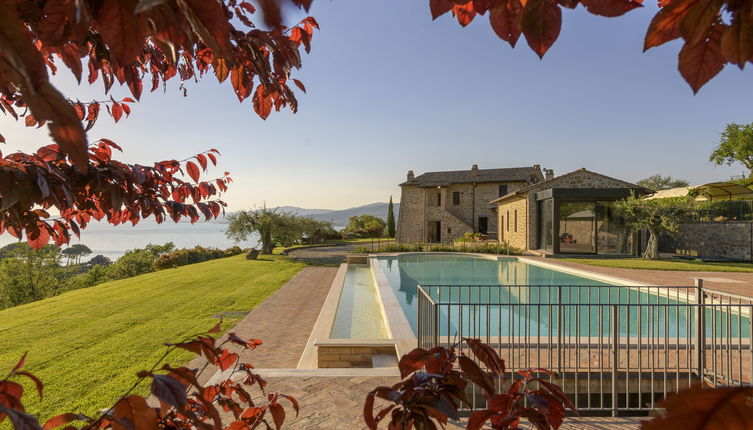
[(611, 8), (226, 360), (487, 355), (464, 13), (702, 61), (479, 418), (133, 412), (698, 408), (216, 328), (202, 161), (121, 30), (20, 363), (440, 7), (278, 414), (475, 374), (697, 22), (505, 20), (169, 390), (193, 171), (37, 238), (299, 84), (241, 82), (116, 112), (60, 420), (737, 42), (413, 361), (541, 21), (37, 382), (212, 158), (220, 69), (665, 26), (262, 102)]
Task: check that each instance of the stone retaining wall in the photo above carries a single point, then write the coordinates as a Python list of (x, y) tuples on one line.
[(721, 239), (345, 356)]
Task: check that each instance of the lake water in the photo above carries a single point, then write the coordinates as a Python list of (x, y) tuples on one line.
[(112, 241)]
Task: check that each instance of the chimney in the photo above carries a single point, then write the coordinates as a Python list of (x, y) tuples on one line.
[(548, 174), (410, 175), (537, 166), (474, 170)]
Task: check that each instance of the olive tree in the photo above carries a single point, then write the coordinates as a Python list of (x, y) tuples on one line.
[(657, 216), (273, 227), (735, 145)]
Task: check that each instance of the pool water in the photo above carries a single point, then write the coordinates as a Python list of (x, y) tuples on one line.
[(359, 313), (516, 317)]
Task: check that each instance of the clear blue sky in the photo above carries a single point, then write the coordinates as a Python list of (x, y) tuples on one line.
[(391, 90)]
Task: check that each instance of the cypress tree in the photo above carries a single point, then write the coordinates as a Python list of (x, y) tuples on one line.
[(390, 219)]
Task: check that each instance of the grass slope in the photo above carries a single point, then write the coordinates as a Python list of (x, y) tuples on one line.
[(87, 345), (680, 265)]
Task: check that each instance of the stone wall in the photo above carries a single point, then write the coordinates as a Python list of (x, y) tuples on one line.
[(419, 206), (721, 239), (346, 356), (506, 211), (410, 220)]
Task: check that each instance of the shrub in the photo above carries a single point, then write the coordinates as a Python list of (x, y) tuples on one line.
[(434, 384), (197, 254), (483, 248)]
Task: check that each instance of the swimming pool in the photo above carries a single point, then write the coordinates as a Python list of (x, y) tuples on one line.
[(540, 302)]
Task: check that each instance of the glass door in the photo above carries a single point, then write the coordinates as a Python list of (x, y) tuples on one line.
[(577, 222)]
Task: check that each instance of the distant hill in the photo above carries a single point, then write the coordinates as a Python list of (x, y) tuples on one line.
[(340, 217)]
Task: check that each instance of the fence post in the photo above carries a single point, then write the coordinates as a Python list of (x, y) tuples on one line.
[(421, 327), (560, 328), (615, 355), (700, 329)]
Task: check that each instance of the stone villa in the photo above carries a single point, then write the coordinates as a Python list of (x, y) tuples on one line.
[(444, 206), (523, 206)]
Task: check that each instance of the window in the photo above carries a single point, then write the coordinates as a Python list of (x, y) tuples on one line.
[(508, 220), (483, 224), (456, 197), (502, 190), (449, 230), (439, 199), (516, 221), (501, 229)]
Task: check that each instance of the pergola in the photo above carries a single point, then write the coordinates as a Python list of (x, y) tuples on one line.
[(711, 191), (725, 191)]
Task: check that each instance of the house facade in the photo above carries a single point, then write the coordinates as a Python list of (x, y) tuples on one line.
[(443, 206), (570, 214)]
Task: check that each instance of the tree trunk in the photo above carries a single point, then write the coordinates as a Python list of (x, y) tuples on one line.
[(267, 245), (652, 247)]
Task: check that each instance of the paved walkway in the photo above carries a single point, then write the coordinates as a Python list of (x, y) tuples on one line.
[(322, 255), (731, 282), (284, 321)]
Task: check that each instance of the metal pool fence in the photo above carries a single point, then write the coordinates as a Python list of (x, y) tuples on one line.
[(616, 350)]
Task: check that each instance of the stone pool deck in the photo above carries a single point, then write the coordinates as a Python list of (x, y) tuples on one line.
[(730, 282), (334, 400)]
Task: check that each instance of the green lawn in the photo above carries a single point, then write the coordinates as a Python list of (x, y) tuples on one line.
[(87, 345), (682, 265)]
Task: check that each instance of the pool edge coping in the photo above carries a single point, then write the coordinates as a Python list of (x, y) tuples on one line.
[(398, 326), (324, 320)]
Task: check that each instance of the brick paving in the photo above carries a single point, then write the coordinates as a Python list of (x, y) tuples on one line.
[(731, 282), (335, 403), (284, 321)]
